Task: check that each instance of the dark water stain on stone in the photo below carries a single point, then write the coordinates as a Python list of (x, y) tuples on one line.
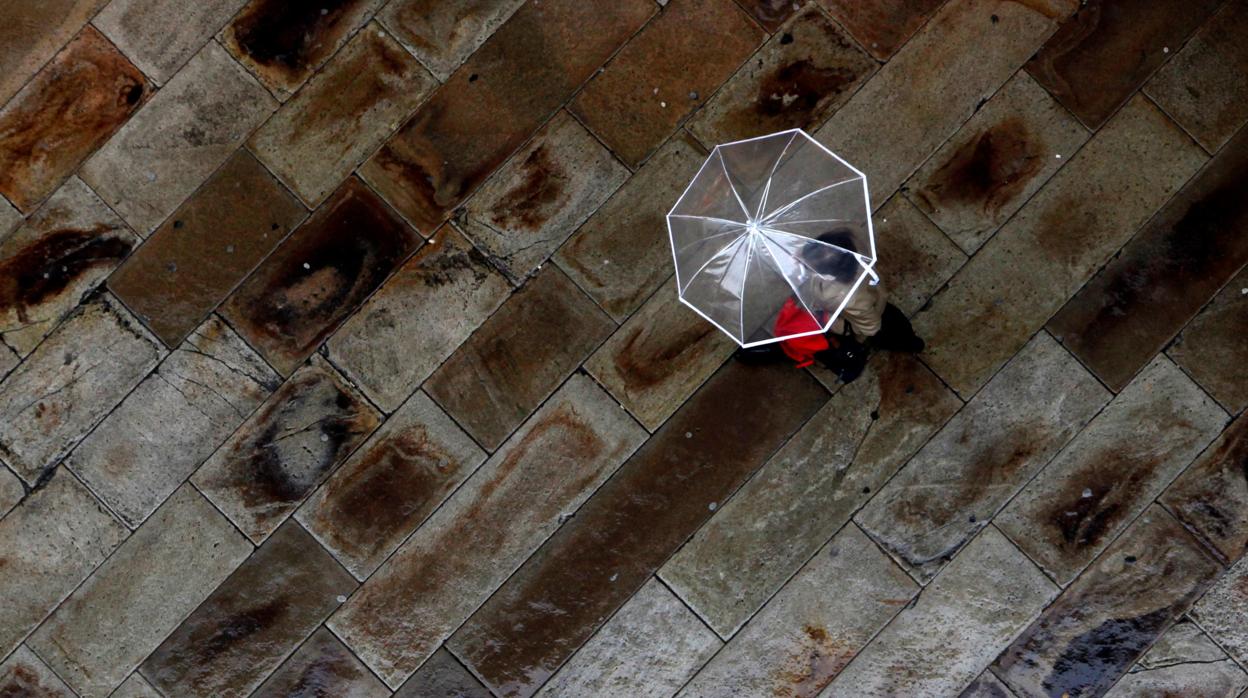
[(237, 628), (323, 678), (1097, 657), (373, 76), (450, 265), (645, 359), (812, 665), (1082, 522), (987, 172), (47, 266), (23, 681), (527, 205), (291, 38), (795, 90), (771, 13)]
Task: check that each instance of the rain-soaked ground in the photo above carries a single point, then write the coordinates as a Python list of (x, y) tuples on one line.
[(341, 354)]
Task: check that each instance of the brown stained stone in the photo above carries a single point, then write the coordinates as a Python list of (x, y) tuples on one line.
[(343, 114), (1041, 257), (799, 77), (286, 448), (1184, 662), (771, 14), (443, 34), (210, 244), (11, 490), (253, 621), (668, 489), (68, 110), (995, 162), (987, 686), (495, 101), (443, 677), (541, 195), (323, 666), (983, 457), (1097, 628), (160, 36), (32, 32), (1222, 611), (1124, 458), (172, 421), (622, 253), (1162, 277), (659, 357), (1104, 52), (519, 357), (915, 257), (74, 533), (808, 490), (643, 94), (932, 86), (486, 530), (310, 284), (53, 262), (284, 43), (135, 599), (1211, 497), (813, 627), (1211, 348), (426, 310), (23, 675), (1202, 87), (883, 26), (76, 377), (390, 485)]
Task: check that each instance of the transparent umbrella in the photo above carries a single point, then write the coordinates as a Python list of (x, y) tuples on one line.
[(770, 222)]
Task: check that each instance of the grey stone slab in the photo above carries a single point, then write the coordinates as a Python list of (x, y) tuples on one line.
[(10, 218), (987, 686), (173, 421), (323, 666), (101, 633), (541, 195), (443, 677), (655, 361), (1184, 662), (8, 361), (62, 390), (1111, 471), (934, 83), (995, 162), (808, 490), (469, 547), (63, 252), (11, 490), (342, 115), (961, 620), (1211, 347), (23, 675), (178, 139), (813, 627), (161, 36), (1054, 244), (390, 485), (286, 448), (417, 318), (442, 35), (135, 687), (915, 257), (648, 649), (1211, 496), (1221, 612), (74, 533), (983, 457)]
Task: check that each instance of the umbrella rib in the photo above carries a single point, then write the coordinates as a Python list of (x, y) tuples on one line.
[(749, 252), (813, 240), (707, 263), (762, 205), (771, 216), (687, 245), (767, 243), (728, 178), (810, 220), (713, 219)]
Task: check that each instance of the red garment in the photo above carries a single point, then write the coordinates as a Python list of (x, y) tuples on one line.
[(793, 319)]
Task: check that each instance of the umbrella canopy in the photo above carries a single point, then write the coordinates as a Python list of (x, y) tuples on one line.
[(767, 221)]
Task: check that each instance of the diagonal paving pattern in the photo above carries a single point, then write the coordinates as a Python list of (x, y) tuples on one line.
[(340, 353)]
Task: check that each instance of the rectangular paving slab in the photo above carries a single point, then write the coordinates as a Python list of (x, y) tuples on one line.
[(75, 378), (487, 529), (1211, 348), (443, 35), (1112, 470), (1041, 257), (178, 139), (160, 37), (540, 196), (914, 257), (24, 674), (665, 492), (519, 356), (418, 318), (309, 285), (62, 253), (75, 533), (1165, 274), (11, 491), (1099, 626), (1211, 496), (1221, 611), (813, 627), (649, 649), (983, 457), (987, 686), (390, 485), (323, 666), (882, 27), (135, 599), (33, 32), (941, 643), (79, 99), (286, 448), (193, 401), (1183, 662), (209, 245), (135, 687), (495, 101), (253, 621), (343, 114), (443, 675), (808, 490)]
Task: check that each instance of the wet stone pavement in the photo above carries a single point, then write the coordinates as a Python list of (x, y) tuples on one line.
[(341, 356)]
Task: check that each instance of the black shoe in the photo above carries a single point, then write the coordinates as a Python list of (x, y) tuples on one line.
[(896, 333), (758, 356)]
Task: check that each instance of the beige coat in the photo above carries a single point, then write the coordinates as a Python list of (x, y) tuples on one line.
[(863, 312)]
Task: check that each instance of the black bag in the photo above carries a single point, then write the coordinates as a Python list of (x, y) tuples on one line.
[(847, 357)]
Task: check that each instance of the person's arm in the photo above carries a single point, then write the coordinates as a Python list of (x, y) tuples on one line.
[(865, 309)]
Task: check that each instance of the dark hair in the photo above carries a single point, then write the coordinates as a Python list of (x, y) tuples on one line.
[(828, 261)]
